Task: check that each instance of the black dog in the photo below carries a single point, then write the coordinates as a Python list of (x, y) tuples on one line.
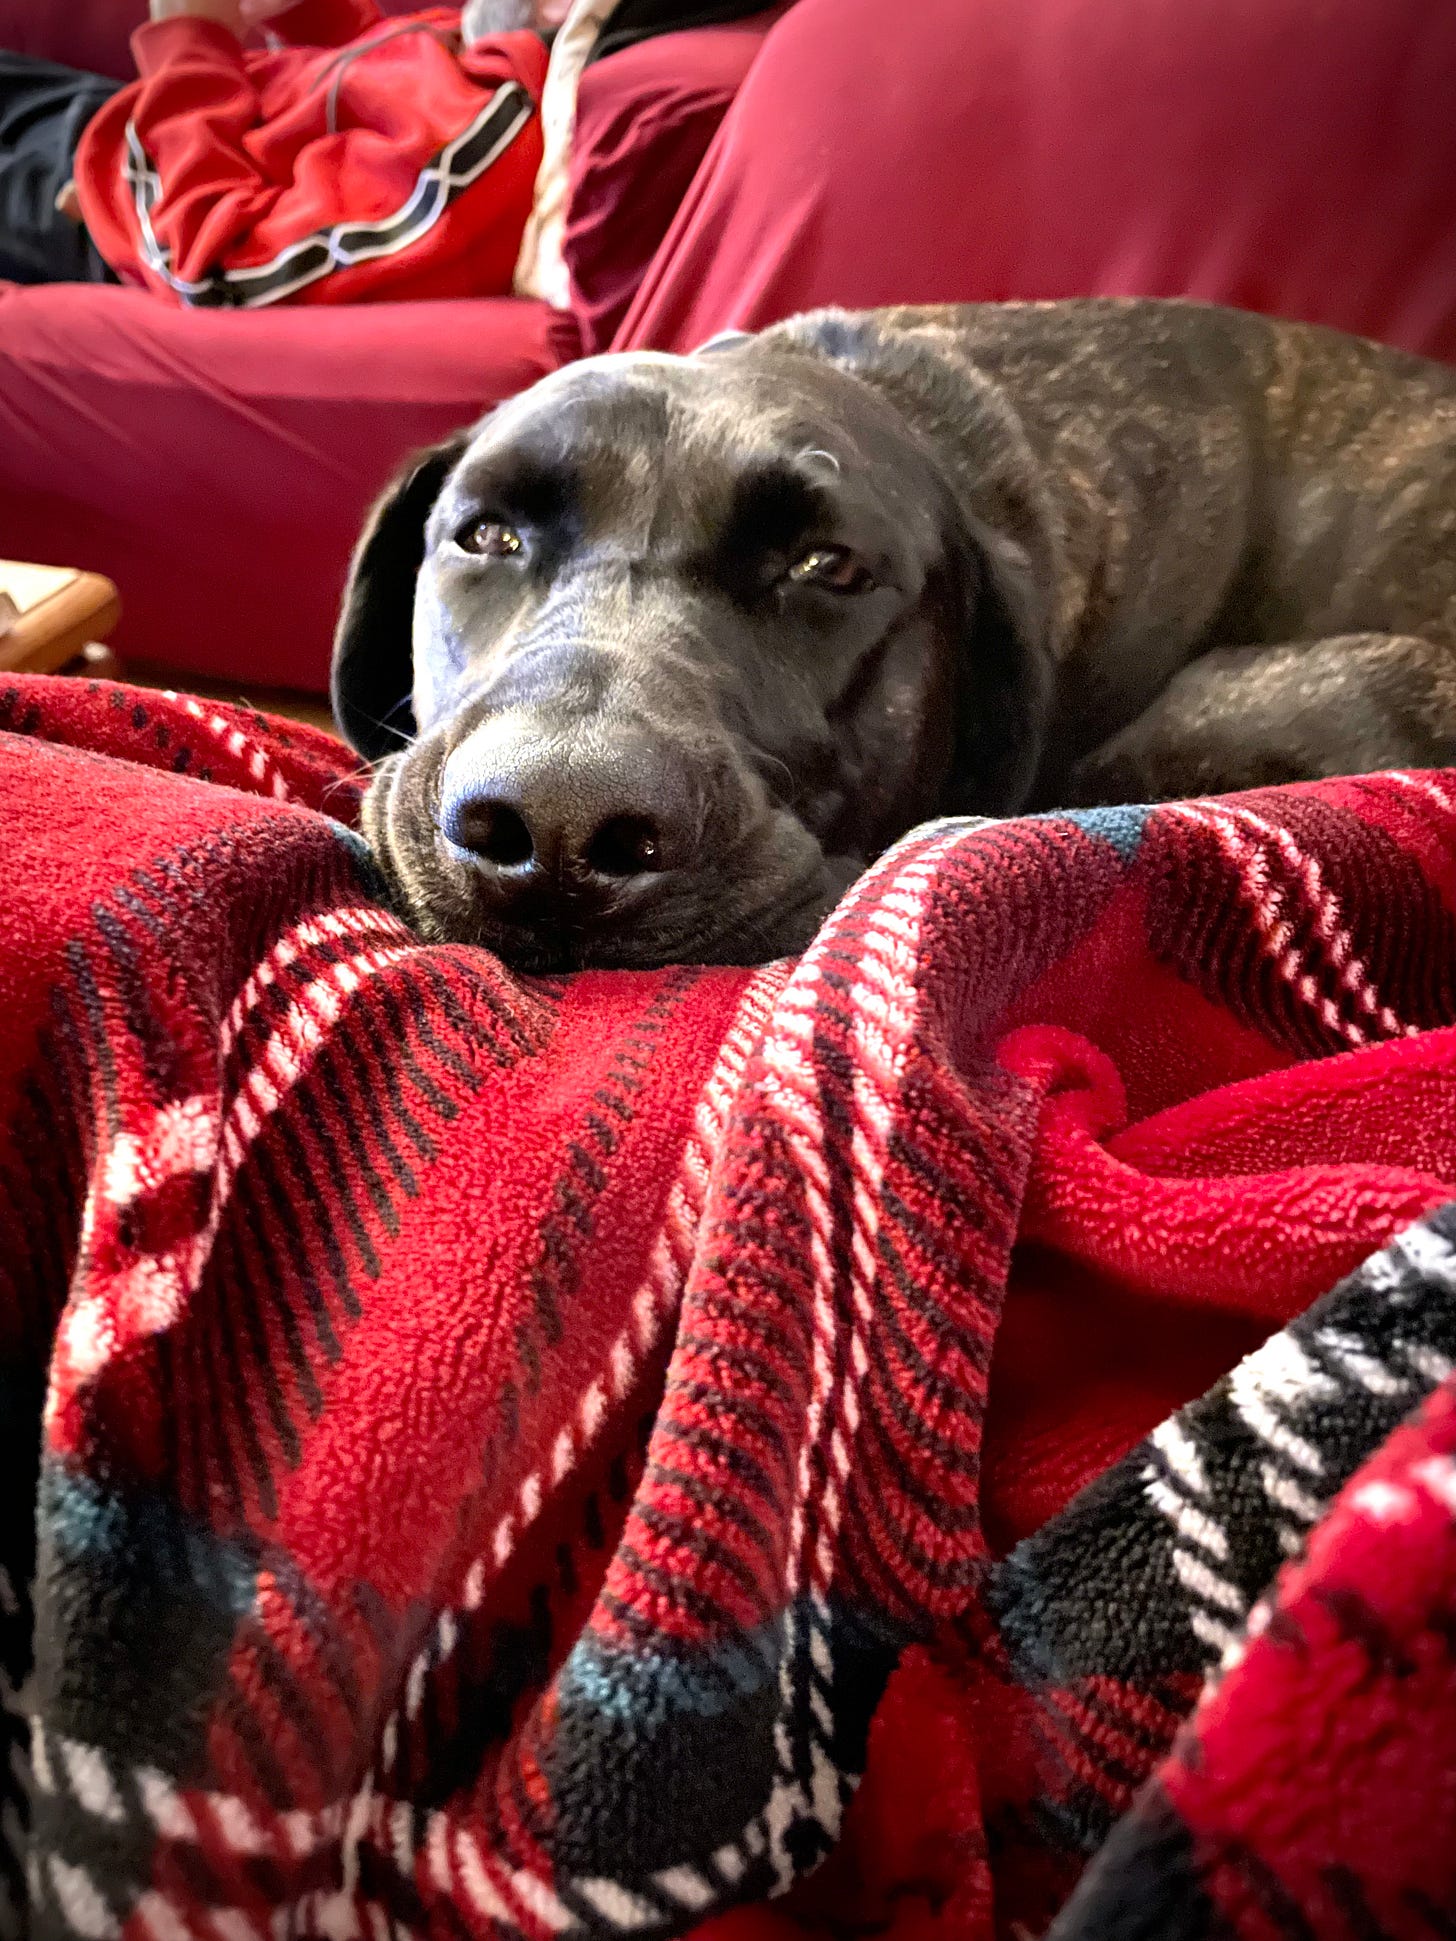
[(694, 638)]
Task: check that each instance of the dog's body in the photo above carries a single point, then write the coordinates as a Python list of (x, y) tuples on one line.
[(694, 638)]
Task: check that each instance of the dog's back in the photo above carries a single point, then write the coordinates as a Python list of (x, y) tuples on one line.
[(1209, 477)]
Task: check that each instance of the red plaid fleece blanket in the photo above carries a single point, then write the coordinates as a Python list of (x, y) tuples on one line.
[(951, 1437)]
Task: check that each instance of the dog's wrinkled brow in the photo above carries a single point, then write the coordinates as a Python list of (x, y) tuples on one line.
[(772, 507), (522, 485)]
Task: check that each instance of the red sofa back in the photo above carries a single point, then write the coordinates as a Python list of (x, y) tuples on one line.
[(1290, 158)]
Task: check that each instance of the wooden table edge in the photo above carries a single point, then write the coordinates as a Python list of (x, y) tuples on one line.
[(55, 630)]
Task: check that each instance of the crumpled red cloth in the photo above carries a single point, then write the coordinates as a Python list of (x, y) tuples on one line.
[(515, 1454)]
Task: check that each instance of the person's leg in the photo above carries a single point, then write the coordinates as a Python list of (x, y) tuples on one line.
[(43, 110)]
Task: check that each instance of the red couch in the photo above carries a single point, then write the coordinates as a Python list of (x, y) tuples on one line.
[(1294, 159)]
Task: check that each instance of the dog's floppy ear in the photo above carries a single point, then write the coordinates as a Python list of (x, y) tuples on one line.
[(1003, 618), (372, 675)]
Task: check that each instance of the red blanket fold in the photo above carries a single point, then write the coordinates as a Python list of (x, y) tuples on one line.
[(513, 1450)]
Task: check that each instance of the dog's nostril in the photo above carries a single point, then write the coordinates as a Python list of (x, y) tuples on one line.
[(626, 845), (495, 832)]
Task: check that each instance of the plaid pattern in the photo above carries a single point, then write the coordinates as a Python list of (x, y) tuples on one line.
[(514, 1455), (1189, 1532), (1340, 1679)]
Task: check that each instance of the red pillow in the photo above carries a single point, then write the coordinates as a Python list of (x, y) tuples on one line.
[(644, 119)]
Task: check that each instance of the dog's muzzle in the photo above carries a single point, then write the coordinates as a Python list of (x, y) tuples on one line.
[(572, 830)]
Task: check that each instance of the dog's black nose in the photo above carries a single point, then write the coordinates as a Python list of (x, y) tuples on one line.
[(580, 817)]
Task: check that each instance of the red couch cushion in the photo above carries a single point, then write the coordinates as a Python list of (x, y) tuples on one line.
[(217, 465), (1294, 159), (644, 120)]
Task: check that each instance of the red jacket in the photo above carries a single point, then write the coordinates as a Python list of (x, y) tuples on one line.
[(377, 159)]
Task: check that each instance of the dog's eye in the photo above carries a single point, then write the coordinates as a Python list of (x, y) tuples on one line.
[(834, 567), (489, 538)]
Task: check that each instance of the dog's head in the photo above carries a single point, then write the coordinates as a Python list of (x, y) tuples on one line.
[(660, 655)]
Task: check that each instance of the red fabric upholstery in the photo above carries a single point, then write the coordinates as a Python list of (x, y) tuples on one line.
[(1289, 158), (644, 120), (217, 465), (93, 35), (90, 34)]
